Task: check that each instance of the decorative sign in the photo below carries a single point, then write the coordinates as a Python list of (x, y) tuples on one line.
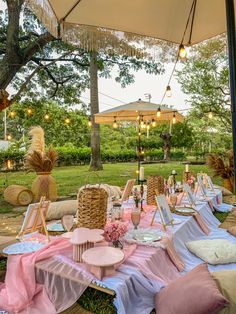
[(164, 209), (127, 190), (35, 218), (191, 198), (201, 185), (210, 183)]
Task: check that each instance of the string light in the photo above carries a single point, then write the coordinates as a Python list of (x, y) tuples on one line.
[(142, 151), (67, 121), (46, 116), (174, 118), (142, 122), (168, 91), (159, 112), (89, 122), (143, 125), (8, 137), (29, 111), (153, 123), (210, 114), (182, 52), (12, 114), (115, 124), (138, 117)]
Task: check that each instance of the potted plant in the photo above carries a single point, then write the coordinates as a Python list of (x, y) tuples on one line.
[(223, 167)]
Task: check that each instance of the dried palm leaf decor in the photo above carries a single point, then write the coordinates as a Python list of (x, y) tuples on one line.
[(42, 162), (223, 167)]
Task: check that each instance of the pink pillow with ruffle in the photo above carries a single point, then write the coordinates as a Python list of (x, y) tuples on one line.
[(195, 293)]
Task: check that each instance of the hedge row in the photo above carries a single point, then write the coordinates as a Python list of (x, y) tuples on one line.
[(73, 156)]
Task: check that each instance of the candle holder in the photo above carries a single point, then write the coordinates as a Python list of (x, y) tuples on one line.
[(141, 182), (186, 176), (174, 174)]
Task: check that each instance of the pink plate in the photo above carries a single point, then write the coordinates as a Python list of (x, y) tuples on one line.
[(83, 235), (103, 256)]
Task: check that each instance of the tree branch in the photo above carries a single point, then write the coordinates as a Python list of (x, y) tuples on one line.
[(23, 86), (37, 59), (37, 45)]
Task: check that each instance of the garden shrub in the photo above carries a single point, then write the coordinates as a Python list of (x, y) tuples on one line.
[(69, 155)]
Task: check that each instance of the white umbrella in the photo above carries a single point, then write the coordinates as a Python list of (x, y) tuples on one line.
[(91, 22), (161, 19), (138, 109)]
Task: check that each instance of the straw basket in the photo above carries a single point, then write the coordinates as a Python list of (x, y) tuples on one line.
[(92, 207), (155, 185), (44, 185), (18, 195)]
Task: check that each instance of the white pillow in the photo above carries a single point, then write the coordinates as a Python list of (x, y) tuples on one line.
[(218, 251), (57, 210)]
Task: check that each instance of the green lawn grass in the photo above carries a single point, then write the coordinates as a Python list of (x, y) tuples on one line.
[(69, 179)]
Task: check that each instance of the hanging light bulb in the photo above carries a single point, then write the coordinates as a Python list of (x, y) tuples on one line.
[(182, 52), (168, 91), (12, 114), (67, 121), (148, 126), (29, 111), (158, 112), (210, 114), (153, 123), (174, 118), (89, 122), (46, 116), (115, 124), (141, 151), (9, 137), (138, 117)]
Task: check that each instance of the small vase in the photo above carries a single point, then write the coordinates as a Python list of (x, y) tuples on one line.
[(117, 244)]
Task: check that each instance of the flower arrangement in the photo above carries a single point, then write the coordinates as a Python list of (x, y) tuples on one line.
[(191, 180), (136, 196), (114, 231)]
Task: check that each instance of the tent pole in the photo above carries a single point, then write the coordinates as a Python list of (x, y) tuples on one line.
[(139, 149), (230, 17)]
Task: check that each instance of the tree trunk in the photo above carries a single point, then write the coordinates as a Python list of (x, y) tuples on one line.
[(95, 162), (166, 137)]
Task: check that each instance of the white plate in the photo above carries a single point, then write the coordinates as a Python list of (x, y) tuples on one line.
[(185, 210), (23, 247), (147, 237)]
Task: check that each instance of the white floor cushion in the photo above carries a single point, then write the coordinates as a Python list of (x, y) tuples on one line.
[(218, 251), (57, 210)]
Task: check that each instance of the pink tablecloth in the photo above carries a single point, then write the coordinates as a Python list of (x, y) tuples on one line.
[(21, 293)]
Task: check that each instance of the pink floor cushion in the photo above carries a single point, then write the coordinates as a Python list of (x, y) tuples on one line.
[(195, 293)]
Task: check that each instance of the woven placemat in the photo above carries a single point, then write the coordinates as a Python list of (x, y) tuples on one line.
[(181, 214)]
